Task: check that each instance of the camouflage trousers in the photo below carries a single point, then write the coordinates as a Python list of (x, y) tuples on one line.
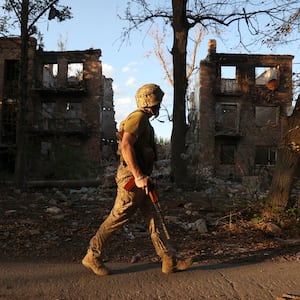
[(126, 204)]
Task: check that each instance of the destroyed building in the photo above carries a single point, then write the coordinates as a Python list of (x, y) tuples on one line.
[(70, 114), (238, 113)]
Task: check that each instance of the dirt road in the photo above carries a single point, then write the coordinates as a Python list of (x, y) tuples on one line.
[(53, 281)]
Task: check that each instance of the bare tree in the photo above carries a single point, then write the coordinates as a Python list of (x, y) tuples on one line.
[(25, 14), (159, 51), (165, 57), (163, 54), (285, 169), (182, 15), (62, 43)]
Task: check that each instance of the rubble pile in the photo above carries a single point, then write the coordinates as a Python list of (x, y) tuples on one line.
[(215, 223)]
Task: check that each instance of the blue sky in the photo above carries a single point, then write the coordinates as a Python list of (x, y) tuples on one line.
[(95, 25)]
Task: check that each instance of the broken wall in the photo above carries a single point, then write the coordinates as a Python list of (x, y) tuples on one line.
[(66, 97), (241, 112), (10, 53)]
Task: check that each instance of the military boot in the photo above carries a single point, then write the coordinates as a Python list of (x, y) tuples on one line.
[(94, 263), (172, 264)]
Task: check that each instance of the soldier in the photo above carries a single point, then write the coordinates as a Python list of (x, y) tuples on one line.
[(137, 156)]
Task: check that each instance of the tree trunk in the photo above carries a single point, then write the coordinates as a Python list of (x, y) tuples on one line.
[(180, 34), (282, 180), (20, 166), (286, 166)]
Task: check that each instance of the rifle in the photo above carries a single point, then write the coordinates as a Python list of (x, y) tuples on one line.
[(154, 199)]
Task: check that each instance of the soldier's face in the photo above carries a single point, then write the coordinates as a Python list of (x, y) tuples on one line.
[(155, 110)]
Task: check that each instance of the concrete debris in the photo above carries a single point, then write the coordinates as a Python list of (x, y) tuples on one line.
[(82, 190), (199, 225), (54, 210), (34, 232), (135, 258), (58, 217), (10, 212), (172, 219)]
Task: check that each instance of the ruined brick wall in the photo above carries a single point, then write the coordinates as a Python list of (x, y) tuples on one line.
[(68, 96), (107, 123), (241, 118), (93, 100), (10, 50), (70, 108), (73, 96), (10, 54)]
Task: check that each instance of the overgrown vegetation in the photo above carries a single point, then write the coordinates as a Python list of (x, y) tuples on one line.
[(162, 141)]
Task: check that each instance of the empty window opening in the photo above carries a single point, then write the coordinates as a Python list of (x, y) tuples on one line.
[(227, 154), (265, 156), (73, 119), (266, 115), (73, 110), (227, 117), (46, 149), (7, 159), (228, 72), (8, 110), (48, 115), (267, 76), (106, 108), (11, 70), (11, 78), (75, 73), (50, 72), (48, 109), (228, 79)]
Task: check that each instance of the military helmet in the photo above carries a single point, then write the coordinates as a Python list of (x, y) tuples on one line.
[(148, 95)]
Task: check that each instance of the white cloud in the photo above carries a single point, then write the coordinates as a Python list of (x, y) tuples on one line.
[(108, 71), (125, 69), (123, 108), (115, 87), (130, 67), (124, 100), (130, 81)]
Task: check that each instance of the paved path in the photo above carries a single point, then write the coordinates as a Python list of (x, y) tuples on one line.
[(261, 281)]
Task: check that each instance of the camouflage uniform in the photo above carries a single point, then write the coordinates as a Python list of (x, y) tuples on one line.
[(127, 202), (137, 125)]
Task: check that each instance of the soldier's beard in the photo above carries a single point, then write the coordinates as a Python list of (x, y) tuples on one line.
[(155, 111), (152, 112), (156, 114)]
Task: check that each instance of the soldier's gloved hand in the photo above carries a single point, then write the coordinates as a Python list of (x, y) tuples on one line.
[(143, 183)]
